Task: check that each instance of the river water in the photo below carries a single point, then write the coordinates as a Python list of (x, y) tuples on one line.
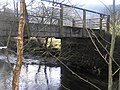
[(35, 77), (47, 78), (32, 77)]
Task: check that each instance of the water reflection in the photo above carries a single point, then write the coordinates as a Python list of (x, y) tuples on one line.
[(32, 77), (5, 76), (35, 77), (48, 78)]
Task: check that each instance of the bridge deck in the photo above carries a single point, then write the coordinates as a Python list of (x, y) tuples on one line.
[(54, 31), (44, 30)]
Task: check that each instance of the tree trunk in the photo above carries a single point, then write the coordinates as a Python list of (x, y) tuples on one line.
[(119, 81), (110, 80), (16, 74)]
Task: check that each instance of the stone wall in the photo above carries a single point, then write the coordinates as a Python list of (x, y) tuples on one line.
[(81, 53)]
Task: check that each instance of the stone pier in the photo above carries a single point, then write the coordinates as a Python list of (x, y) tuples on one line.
[(80, 53)]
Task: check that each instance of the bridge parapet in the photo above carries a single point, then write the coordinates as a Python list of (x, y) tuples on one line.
[(71, 16), (67, 21)]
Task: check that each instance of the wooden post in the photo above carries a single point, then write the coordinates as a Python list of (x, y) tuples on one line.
[(52, 14), (100, 27), (43, 15), (17, 9), (16, 74), (61, 20), (108, 23), (27, 28), (73, 23), (84, 23), (101, 18)]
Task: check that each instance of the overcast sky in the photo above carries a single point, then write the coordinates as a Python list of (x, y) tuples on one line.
[(80, 2)]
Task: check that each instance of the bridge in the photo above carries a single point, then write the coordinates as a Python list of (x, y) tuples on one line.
[(69, 21)]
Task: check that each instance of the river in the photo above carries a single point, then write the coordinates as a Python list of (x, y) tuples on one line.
[(42, 77)]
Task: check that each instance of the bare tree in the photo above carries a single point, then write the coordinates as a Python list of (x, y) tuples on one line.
[(110, 80), (16, 74)]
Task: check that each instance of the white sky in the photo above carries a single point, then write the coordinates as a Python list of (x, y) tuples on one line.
[(80, 2)]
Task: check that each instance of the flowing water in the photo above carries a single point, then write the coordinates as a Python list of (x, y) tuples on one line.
[(47, 78), (35, 77), (32, 77)]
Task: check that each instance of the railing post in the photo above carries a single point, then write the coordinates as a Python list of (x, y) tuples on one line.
[(84, 23), (61, 20), (108, 23), (17, 9), (43, 15), (52, 13), (101, 18), (73, 23), (100, 27)]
